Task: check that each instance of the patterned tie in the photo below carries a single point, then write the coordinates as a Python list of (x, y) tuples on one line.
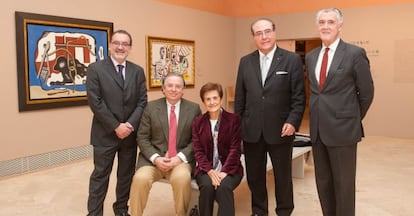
[(120, 68), (265, 68), (216, 161), (172, 134), (324, 65)]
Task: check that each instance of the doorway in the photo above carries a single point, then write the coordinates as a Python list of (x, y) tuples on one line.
[(302, 47)]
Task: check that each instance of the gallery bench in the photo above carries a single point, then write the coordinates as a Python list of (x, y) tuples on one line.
[(299, 155)]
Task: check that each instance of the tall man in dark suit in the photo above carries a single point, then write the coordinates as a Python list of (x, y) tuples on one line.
[(117, 96), (158, 158), (270, 98), (341, 91)]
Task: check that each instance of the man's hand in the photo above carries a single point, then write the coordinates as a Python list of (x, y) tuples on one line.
[(163, 163), (288, 130), (166, 164), (123, 130), (175, 161)]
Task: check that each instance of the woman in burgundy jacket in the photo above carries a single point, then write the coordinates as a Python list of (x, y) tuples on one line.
[(217, 149)]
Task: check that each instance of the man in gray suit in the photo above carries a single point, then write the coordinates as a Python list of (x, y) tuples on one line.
[(161, 157), (341, 91), (270, 98), (117, 104)]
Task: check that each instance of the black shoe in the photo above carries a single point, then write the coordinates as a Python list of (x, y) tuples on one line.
[(255, 214), (122, 214)]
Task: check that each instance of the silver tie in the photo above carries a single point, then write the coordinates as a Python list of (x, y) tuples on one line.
[(265, 68)]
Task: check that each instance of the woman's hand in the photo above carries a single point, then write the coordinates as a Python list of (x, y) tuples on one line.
[(215, 178)]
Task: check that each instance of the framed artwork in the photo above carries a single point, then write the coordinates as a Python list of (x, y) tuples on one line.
[(53, 54), (165, 55)]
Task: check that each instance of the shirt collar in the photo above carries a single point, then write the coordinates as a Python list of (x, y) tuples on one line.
[(270, 54), (333, 45), (116, 63), (177, 105)]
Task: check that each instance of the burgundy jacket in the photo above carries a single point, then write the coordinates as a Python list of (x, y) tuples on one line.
[(229, 143)]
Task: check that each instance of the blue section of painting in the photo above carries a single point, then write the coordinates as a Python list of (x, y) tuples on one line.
[(38, 77)]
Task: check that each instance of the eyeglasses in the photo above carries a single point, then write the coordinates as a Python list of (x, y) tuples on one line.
[(118, 43), (263, 33)]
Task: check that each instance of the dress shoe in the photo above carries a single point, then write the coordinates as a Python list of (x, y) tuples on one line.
[(255, 214), (122, 214)]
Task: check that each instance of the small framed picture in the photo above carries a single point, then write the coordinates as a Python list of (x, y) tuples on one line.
[(165, 55)]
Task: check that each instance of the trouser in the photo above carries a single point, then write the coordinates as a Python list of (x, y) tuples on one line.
[(179, 178)]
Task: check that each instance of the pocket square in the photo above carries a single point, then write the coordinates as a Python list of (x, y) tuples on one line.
[(281, 72)]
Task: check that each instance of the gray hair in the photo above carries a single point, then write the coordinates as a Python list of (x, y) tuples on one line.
[(172, 74), (338, 13)]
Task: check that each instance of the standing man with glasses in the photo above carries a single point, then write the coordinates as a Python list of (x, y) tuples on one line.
[(341, 91), (270, 98), (117, 96)]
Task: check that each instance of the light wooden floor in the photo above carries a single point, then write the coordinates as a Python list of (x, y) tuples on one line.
[(385, 187)]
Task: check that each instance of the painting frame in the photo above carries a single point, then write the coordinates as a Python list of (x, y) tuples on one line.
[(165, 55), (53, 53)]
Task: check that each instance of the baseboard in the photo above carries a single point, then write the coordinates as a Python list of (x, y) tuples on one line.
[(45, 160)]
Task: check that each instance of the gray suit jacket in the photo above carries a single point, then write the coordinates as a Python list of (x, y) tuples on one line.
[(337, 110), (153, 131), (281, 100), (113, 104)]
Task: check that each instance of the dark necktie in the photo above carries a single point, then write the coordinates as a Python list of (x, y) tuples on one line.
[(172, 134), (324, 65), (120, 68)]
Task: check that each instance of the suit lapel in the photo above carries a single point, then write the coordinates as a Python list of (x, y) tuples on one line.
[(128, 75), (336, 61), (224, 124), (312, 65), (256, 64), (162, 116), (277, 57), (113, 72), (182, 118), (205, 126)]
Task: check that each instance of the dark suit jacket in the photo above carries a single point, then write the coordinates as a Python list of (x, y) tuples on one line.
[(229, 143), (336, 111), (281, 100), (113, 104), (153, 131)]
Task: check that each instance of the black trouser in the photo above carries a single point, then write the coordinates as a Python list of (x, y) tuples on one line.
[(103, 157), (335, 171), (223, 195), (256, 159)]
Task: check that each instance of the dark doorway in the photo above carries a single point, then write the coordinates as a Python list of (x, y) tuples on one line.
[(302, 47)]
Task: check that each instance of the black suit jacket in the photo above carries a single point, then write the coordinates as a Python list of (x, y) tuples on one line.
[(337, 110), (112, 103), (281, 100)]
